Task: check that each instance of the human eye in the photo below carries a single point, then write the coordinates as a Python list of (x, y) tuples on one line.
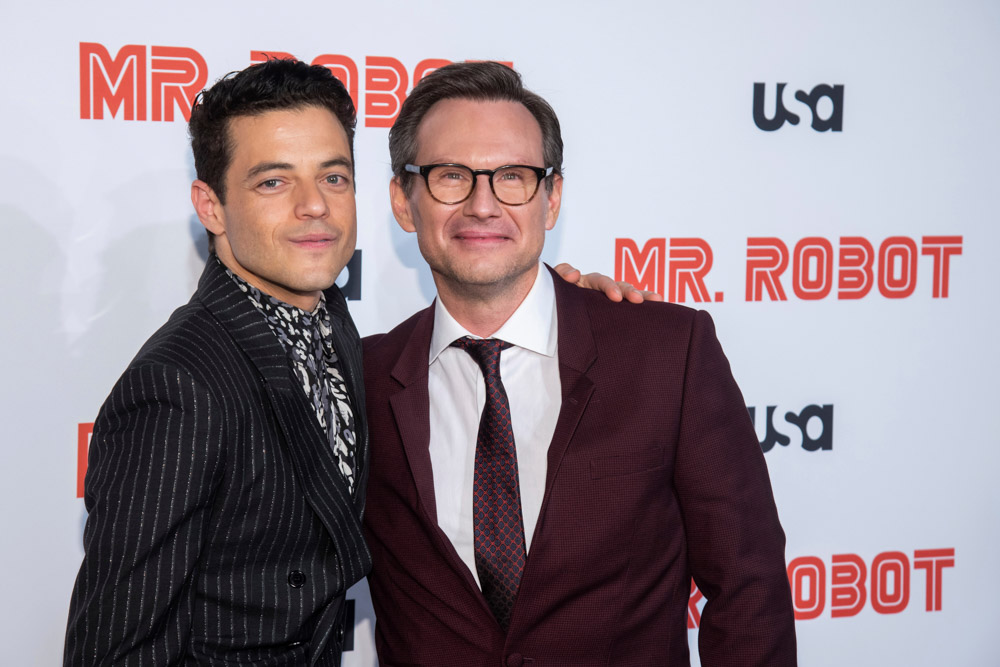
[(269, 184), (515, 175), (453, 174), (338, 180)]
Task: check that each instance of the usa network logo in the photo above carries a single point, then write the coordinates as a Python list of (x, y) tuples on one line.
[(824, 102), (154, 82), (813, 423)]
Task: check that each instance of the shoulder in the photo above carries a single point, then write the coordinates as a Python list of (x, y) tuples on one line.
[(194, 344), (381, 345), (647, 322), (187, 338)]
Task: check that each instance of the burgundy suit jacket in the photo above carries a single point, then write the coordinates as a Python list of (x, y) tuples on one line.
[(654, 475)]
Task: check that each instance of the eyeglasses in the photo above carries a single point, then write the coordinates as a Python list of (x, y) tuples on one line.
[(512, 184)]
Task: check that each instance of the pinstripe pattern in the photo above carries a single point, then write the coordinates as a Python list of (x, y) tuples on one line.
[(209, 482)]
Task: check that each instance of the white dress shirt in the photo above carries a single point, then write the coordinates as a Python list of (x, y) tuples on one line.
[(530, 374)]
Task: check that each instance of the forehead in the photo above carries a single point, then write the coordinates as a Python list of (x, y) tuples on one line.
[(293, 135), (479, 134)]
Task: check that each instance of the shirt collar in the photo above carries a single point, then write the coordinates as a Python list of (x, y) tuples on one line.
[(532, 326)]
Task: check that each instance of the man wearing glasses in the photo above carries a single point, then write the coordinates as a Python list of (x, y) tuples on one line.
[(536, 495)]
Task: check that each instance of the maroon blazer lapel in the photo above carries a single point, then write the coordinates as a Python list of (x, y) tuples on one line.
[(577, 353), (410, 407), (411, 411)]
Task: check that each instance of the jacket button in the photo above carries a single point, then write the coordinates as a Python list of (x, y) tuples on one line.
[(515, 660), (340, 634), (296, 578)]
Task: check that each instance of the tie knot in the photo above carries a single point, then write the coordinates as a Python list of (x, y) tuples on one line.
[(485, 351)]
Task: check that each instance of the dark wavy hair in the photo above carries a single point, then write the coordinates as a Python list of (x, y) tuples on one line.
[(268, 86), (478, 81)]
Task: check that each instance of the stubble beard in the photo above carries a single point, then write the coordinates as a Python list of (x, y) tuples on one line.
[(484, 285)]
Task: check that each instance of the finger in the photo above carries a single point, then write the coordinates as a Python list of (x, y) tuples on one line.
[(651, 296), (568, 273), (601, 282), (632, 294), (636, 295)]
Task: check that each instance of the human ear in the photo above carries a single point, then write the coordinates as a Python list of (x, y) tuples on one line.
[(207, 207), (401, 205)]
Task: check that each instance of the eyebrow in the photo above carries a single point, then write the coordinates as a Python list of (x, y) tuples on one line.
[(263, 167)]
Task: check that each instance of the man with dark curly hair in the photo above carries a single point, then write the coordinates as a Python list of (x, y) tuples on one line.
[(227, 468)]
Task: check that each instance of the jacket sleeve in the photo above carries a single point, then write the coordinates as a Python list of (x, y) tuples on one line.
[(735, 543), (155, 461)]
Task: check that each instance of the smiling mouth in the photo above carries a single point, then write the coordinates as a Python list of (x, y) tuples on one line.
[(315, 241), (481, 237)]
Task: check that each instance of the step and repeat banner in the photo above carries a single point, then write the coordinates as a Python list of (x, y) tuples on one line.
[(821, 177)]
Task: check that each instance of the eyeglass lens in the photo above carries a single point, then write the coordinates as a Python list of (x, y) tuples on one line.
[(511, 185)]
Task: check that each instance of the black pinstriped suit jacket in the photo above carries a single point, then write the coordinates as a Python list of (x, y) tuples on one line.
[(220, 530)]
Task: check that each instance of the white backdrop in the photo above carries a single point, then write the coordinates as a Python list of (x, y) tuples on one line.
[(894, 391)]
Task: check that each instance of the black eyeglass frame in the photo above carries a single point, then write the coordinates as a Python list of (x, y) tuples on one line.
[(424, 170)]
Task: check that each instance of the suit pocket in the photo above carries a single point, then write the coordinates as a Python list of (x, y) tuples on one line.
[(626, 464)]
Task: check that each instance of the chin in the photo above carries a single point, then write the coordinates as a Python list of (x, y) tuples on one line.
[(485, 276), (316, 282)]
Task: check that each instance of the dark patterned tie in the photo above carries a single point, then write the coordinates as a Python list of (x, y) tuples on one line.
[(498, 527)]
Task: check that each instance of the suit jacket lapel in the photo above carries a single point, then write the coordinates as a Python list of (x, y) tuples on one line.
[(348, 345), (411, 408), (577, 352), (308, 447)]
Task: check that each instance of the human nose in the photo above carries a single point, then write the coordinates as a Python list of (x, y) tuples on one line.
[(482, 203), (311, 202)]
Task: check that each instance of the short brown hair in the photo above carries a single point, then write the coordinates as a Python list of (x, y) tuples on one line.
[(479, 81)]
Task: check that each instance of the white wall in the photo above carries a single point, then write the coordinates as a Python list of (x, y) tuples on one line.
[(656, 101)]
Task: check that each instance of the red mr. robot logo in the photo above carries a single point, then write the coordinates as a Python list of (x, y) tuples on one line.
[(884, 584), (386, 81), (83, 433), (175, 75), (893, 269), (856, 268), (690, 260)]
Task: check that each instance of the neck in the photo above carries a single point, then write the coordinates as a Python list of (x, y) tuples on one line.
[(483, 309)]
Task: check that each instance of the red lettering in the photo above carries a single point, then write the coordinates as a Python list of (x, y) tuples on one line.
[(855, 277), (118, 81), (385, 90), (767, 259), (890, 582), (897, 267), (344, 69), (941, 248), (83, 433), (812, 268), (847, 585), (934, 561), (694, 614), (807, 576), (425, 67), (652, 259), (690, 260), (178, 75)]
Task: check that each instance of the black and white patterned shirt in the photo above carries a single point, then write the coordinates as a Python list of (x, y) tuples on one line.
[(307, 338)]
